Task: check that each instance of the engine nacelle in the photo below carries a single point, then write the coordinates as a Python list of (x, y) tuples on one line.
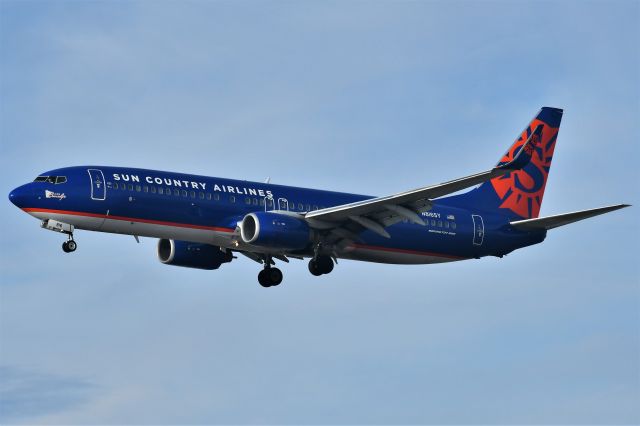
[(275, 230), (191, 255)]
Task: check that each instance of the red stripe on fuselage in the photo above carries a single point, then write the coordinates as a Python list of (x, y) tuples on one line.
[(129, 219), (405, 251), (228, 230)]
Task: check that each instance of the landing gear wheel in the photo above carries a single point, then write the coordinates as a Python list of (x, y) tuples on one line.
[(65, 247), (71, 245), (275, 276), (321, 265), (263, 279), (326, 264), (270, 277), (314, 268)]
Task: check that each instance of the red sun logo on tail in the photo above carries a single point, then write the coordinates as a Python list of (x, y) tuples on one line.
[(521, 190)]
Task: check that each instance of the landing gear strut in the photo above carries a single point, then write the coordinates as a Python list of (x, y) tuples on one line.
[(269, 276), (320, 265)]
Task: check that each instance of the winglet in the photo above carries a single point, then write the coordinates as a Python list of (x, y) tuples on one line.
[(523, 157)]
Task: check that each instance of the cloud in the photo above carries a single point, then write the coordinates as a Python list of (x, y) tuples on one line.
[(27, 394)]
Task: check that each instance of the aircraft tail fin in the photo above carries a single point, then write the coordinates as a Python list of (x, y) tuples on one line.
[(519, 193), (550, 222)]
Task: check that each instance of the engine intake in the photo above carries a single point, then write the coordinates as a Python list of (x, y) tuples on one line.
[(192, 255), (275, 230)]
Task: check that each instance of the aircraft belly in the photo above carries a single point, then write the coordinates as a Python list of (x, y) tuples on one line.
[(118, 226), (381, 256)]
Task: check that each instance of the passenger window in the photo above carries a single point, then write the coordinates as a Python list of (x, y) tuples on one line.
[(446, 224), (184, 192), (216, 197), (209, 196), (130, 187), (123, 186), (315, 207), (300, 206), (153, 190), (255, 201), (232, 199), (138, 188), (439, 224), (247, 200), (115, 185), (433, 222), (453, 225), (202, 195), (308, 207), (145, 188), (176, 192), (262, 202), (193, 194), (61, 179)]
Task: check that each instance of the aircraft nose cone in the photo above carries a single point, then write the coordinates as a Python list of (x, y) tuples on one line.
[(19, 196)]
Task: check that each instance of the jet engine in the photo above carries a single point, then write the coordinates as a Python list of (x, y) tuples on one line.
[(192, 255), (275, 230)]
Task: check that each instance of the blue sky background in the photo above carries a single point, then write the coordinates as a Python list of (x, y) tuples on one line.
[(366, 97)]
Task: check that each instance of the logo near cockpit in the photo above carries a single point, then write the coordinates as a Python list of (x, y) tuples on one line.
[(51, 194)]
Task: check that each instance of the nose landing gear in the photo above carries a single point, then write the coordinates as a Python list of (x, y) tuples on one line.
[(69, 246)]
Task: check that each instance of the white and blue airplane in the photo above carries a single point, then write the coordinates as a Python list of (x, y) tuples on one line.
[(202, 221)]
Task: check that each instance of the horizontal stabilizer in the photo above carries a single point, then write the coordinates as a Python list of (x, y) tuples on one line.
[(550, 222)]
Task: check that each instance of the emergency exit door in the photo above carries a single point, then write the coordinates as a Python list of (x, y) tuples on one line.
[(478, 230)]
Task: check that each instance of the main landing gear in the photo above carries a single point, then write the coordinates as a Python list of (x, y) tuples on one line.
[(269, 276), (320, 265)]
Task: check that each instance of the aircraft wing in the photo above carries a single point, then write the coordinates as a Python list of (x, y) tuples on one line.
[(550, 222), (377, 213)]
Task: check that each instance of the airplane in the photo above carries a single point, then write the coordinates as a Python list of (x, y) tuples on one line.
[(203, 222)]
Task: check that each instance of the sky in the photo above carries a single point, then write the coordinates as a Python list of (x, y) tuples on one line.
[(364, 97)]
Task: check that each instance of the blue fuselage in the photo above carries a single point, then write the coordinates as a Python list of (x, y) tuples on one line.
[(208, 209)]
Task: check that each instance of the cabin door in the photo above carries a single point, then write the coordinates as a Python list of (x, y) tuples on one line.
[(98, 186), (478, 230)]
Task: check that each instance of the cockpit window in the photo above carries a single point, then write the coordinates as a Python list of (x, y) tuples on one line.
[(51, 179)]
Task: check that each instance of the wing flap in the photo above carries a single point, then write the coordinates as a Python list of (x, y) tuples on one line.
[(550, 222)]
